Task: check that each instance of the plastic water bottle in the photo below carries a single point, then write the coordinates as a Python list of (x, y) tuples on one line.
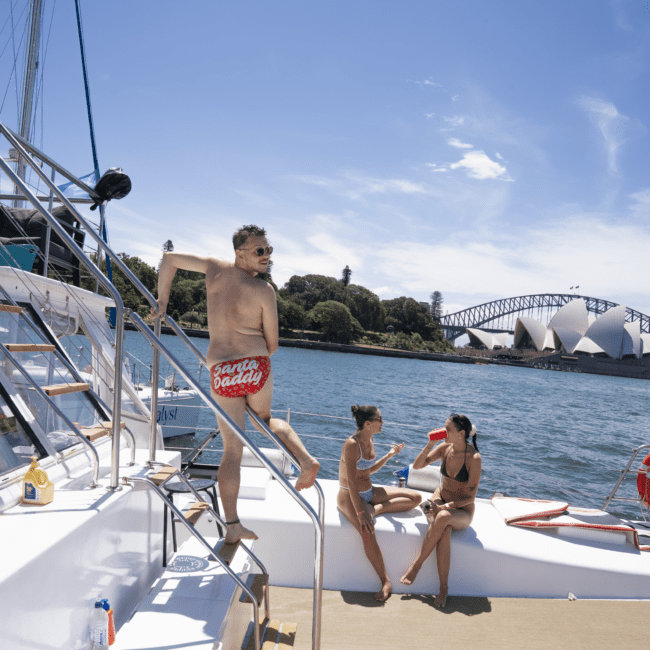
[(99, 627)]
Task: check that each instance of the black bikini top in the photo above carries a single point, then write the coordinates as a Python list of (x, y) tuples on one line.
[(463, 474)]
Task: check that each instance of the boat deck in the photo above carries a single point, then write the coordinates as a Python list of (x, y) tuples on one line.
[(355, 621)]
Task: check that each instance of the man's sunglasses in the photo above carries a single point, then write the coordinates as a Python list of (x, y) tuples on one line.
[(259, 251)]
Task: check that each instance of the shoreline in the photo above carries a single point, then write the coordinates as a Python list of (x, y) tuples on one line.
[(631, 368)]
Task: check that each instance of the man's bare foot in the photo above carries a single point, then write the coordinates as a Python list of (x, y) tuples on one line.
[(236, 532), (410, 575), (385, 592), (308, 474), (441, 599)]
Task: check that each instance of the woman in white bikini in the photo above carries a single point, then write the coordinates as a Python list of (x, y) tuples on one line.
[(358, 499)]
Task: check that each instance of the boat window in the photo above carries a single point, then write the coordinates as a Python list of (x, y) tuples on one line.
[(16, 449)]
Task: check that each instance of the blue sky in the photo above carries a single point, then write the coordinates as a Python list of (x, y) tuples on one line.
[(482, 149)]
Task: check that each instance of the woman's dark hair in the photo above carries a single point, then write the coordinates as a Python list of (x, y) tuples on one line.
[(463, 424), (362, 414)]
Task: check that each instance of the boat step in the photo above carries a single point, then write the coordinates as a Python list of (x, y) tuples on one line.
[(226, 551), (194, 512), (276, 635), (258, 583), (163, 474), (194, 605), (100, 430), (14, 309), (63, 389), (30, 347)]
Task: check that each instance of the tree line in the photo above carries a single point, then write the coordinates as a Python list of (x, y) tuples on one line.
[(337, 309)]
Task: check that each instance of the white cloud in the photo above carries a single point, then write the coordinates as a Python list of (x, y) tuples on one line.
[(547, 258), (429, 115), (615, 128), (428, 82), (479, 165), (355, 186), (499, 156), (456, 121), (455, 142), (641, 209), (455, 98)]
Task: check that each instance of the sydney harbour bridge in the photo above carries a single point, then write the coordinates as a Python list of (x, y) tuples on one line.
[(501, 315)]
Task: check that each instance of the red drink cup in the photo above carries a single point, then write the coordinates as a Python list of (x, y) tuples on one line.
[(438, 434)]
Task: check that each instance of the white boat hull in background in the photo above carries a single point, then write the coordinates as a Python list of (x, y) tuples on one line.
[(178, 411)]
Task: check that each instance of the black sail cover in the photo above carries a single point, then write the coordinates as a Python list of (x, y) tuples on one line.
[(114, 184)]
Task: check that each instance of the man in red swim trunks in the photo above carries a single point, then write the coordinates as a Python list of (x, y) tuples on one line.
[(243, 326)]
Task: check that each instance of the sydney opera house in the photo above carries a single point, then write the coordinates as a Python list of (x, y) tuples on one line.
[(574, 331)]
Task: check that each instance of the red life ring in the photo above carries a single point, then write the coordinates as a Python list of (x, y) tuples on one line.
[(643, 481)]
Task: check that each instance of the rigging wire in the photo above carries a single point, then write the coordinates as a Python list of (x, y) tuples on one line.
[(13, 74)]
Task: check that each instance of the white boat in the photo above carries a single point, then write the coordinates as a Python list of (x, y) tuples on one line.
[(178, 409), (104, 532)]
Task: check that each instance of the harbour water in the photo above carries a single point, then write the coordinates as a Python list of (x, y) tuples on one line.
[(542, 434)]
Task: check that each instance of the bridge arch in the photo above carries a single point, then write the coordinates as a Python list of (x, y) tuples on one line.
[(491, 316)]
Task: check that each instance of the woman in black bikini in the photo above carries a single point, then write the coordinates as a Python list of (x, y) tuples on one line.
[(452, 504)]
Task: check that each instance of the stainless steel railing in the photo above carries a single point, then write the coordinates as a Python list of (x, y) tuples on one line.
[(612, 496), (179, 516), (278, 475)]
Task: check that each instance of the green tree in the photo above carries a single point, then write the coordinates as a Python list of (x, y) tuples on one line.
[(366, 307), (291, 315), (347, 274), (309, 290), (436, 305), (192, 318), (335, 321), (408, 316)]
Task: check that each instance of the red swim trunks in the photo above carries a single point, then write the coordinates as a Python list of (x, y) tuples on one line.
[(240, 377)]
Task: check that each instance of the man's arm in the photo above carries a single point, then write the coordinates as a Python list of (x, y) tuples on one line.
[(168, 267), (270, 319)]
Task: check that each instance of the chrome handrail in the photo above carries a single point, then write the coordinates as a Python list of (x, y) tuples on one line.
[(94, 271), (179, 515), (277, 474), (188, 484), (624, 473), (18, 144)]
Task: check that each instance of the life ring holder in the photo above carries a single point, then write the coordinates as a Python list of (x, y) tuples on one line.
[(643, 481)]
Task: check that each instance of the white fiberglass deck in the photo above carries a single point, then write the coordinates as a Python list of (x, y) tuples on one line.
[(488, 559)]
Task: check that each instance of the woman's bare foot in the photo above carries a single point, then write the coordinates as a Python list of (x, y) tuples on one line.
[(409, 577), (385, 592), (308, 473), (236, 532), (441, 599)]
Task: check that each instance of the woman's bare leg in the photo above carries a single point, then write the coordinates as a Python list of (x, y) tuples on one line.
[(457, 519), (443, 560), (393, 499), (370, 545)]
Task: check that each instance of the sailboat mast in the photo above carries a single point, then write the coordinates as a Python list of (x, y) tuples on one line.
[(31, 68)]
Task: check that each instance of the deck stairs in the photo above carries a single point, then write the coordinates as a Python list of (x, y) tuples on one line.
[(203, 598), (50, 384)]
